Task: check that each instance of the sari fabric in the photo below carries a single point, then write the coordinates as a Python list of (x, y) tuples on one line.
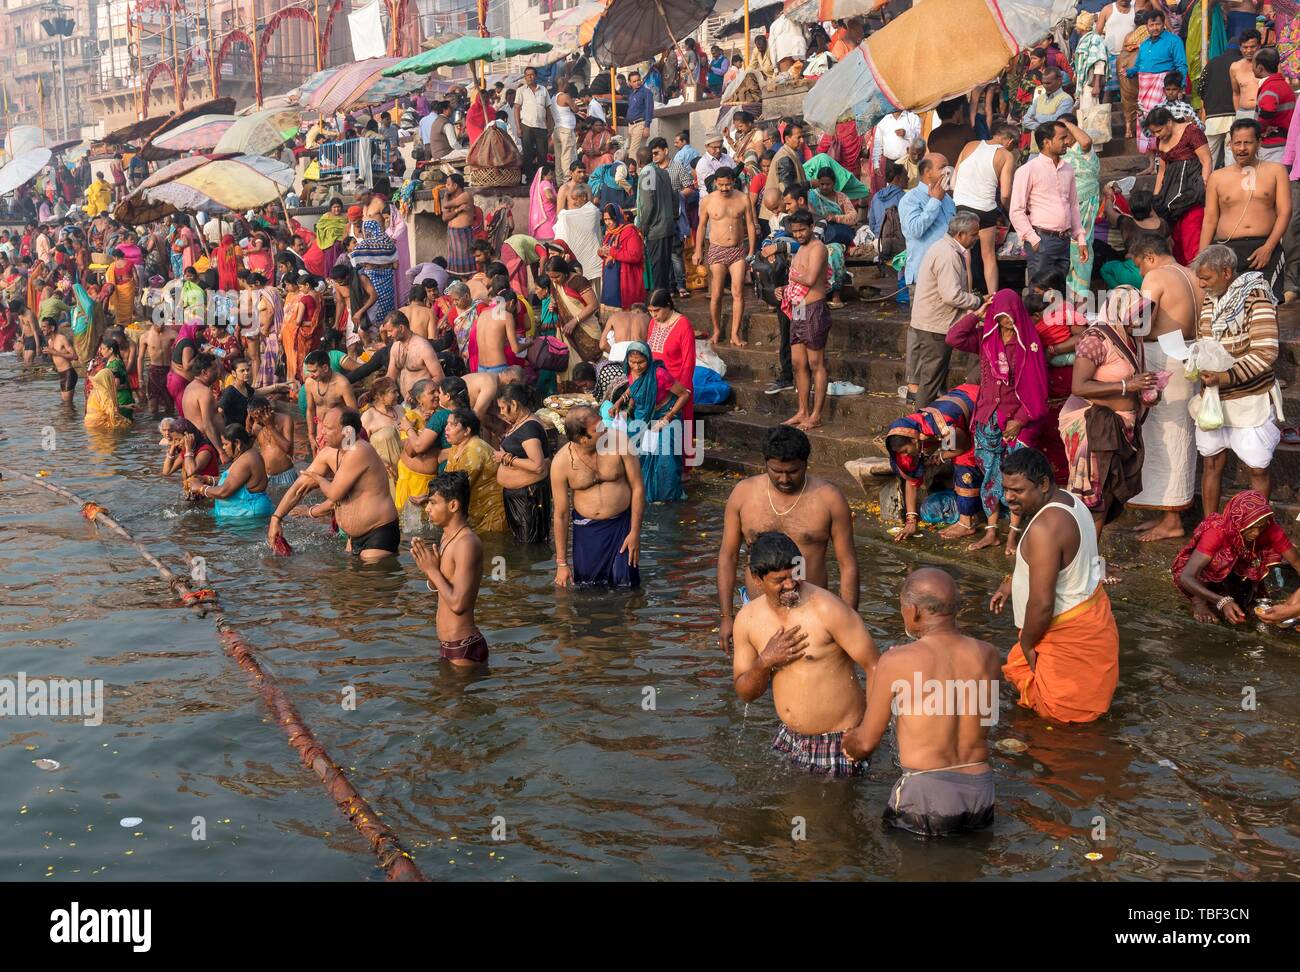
[(541, 208), (101, 407), (1219, 536), (623, 278), (487, 512), (650, 399), (674, 344)]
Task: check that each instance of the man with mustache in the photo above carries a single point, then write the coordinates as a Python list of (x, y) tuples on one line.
[(804, 642)]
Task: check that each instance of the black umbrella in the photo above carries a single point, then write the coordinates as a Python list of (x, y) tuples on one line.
[(632, 31)]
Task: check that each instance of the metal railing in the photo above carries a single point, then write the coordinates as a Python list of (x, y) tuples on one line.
[(338, 159)]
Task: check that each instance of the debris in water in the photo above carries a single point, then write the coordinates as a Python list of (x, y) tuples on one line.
[(1011, 746), (131, 821), (1167, 763), (49, 765), (1093, 856)]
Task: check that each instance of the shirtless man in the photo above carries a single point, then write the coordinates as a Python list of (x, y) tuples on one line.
[(804, 642), (198, 404), (776, 501), (1245, 86), (154, 360), (28, 329), (730, 216), (326, 389), (604, 492), (419, 312), (342, 278), (272, 429), (458, 210), (1168, 433), (454, 568), (804, 301), (352, 477), (623, 327), (577, 177), (1248, 206), (494, 332), (411, 358), (943, 748), (482, 387), (61, 352)]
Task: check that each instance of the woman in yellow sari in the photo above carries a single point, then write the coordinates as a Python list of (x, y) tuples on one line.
[(101, 406), (424, 443), (472, 456)]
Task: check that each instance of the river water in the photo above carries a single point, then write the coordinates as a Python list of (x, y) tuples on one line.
[(604, 742)]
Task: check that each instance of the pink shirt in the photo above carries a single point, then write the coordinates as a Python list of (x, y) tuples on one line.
[(1043, 194)]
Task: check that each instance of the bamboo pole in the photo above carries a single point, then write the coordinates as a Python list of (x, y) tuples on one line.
[(257, 61), (320, 62), (176, 71), (212, 51), (613, 100), (747, 35)]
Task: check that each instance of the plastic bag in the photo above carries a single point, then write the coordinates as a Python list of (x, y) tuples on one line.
[(1210, 415), (706, 357)]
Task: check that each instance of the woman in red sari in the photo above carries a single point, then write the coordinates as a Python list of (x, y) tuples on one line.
[(623, 277), (226, 259), (672, 341)]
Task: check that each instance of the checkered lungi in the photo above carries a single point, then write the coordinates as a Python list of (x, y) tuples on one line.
[(818, 754), (1151, 92)]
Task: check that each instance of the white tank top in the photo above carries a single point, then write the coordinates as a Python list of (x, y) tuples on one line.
[(1118, 26), (564, 117), (1077, 582), (976, 183)]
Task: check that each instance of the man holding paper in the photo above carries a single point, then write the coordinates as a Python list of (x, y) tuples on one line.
[(1238, 311), (1168, 435)]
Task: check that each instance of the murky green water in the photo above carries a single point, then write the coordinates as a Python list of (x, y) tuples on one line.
[(553, 741)]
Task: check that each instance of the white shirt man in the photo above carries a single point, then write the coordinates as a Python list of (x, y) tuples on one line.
[(534, 105), (894, 133), (580, 227)]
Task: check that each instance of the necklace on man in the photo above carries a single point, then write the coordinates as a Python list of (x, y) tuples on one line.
[(792, 505)]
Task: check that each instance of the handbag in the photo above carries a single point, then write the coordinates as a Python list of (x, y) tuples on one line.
[(1096, 122), (1182, 189), (548, 353)]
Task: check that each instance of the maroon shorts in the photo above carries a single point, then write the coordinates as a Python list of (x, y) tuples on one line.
[(474, 648), (812, 326), (726, 255)]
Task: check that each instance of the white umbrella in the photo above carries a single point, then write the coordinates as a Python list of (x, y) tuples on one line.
[(22, 169), (23, 138)]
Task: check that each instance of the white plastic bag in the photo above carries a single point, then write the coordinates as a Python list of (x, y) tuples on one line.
[(706, 357), (1210, 415), (1096, 122)]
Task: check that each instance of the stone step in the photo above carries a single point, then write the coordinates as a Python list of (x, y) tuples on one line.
[(744, 432), (862, 415)]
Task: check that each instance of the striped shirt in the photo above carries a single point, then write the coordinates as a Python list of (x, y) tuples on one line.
[(1252, 339)]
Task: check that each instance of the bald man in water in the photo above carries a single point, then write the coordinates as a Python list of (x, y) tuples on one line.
[(943, 689), (804, 642)]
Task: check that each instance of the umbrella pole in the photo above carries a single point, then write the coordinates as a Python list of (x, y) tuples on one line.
[(746, 35), (613, 99)]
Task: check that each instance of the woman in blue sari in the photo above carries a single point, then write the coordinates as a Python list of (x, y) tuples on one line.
[(654, 400)]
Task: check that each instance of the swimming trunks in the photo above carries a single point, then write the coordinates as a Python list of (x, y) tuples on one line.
[(811, 327), (493, 369), (387, 537), (29, 343), (818, 754), (157, 382), (726, 255), (598, 560), (68, 380), (935, 803), (283, 479), (474, 648)]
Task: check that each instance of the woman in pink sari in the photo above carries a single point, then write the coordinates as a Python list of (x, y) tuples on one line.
[(672, 341), (541, 204)]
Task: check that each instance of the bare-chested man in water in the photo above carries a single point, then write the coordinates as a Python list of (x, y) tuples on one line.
[(64, 356), (943, 689), (1168, 432), (596, 478), (728, 218), (419, 311), (326, 389), (28, 329), (804, 642), (198, 403), (1248, 206), (811, 511), (411, 358), (352, 477), (454, 568), (272, 429), (154, 361)]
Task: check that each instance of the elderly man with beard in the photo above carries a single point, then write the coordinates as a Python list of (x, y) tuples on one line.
[(803, 641)]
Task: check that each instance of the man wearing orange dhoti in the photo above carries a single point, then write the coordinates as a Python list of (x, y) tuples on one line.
[(1066, 664)]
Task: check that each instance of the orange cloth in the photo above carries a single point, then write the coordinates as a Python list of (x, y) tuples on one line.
[(1077, 665)]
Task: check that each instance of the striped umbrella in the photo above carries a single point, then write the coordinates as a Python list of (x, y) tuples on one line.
[(330, 90), (233, 181), (260, 132), (196, 135), (817, 11)]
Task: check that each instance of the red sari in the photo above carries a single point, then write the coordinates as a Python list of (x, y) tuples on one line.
[(625, 248), (674, 344)]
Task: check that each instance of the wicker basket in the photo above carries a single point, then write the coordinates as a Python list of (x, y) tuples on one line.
[(482, 177)]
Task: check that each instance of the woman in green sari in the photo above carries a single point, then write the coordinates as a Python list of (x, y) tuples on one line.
[(1087, 170)]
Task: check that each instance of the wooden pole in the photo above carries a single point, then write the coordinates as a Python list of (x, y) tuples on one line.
[(40, 101), (257, 61), (613, 100), (176, 68), (212, 51), (320, 60), (747, 35)]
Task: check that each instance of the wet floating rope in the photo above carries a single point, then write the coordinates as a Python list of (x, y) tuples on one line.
[(393, 857)]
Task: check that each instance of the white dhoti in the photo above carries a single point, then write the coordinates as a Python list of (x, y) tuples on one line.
[(1168, 440)]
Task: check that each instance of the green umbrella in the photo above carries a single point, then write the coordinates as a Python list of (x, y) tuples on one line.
[(464, 50)]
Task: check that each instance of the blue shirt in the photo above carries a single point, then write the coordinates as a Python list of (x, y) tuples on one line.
[(885, 198), (1164, 53), (641, 106), (925, 222)]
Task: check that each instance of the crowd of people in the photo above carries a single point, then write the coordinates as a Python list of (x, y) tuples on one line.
[(542, 382)]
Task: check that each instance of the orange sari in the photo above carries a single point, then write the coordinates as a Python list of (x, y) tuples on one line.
[(1077, 664), (300, 334)]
